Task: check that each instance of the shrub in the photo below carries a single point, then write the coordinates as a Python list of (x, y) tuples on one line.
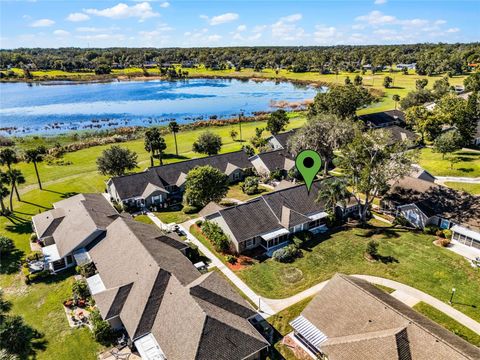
[(86, 270), (34, 255), (193, 253), (190, 209), (276, 175), (102, 331), (372, 248), (430, 229), (304, 235), (440, 233), (36, 276), (80, 289), (287, 254), (199, 223), (250, 185), (445, 242), (231, 259), (216, 236), (33, 237), (447, 233), (6, 245)]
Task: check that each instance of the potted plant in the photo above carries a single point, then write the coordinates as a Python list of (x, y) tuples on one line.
[(68, 303)]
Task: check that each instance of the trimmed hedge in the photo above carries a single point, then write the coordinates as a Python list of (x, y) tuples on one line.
[(287, 254), (217, 237)]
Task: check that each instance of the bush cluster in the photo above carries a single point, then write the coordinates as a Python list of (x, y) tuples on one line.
[(250, 185), (102, 331), (188, 209), (287, 254), (216, 236)]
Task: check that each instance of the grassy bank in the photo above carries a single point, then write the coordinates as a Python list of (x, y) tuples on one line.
[(468, 164), (82, 163)]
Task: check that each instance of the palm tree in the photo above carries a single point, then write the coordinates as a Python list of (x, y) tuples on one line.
[(15, 177), (4, 192), (332, 192), (154, 142), (35, 156), (396, 98), (8, 157), (174, 128)]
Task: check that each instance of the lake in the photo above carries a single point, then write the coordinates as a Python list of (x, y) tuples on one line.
[(50, 108)]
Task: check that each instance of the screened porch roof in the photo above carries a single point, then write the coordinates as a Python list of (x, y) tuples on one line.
[(274, 234)]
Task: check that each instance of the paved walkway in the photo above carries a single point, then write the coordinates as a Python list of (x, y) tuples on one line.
[(268, 307), (469, 180)]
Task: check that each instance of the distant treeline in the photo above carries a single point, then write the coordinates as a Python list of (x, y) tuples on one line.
[(430, 59)]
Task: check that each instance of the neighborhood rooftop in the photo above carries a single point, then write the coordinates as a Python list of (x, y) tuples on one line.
[(370, 324), (384, 118), (156, 291), (174, 174)]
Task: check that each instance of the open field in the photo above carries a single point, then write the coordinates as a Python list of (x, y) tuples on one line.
[(407, 257), (468, 166), (83, 162)]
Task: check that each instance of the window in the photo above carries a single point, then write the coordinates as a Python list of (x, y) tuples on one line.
[(249, 243), (69, 259), (444, 224)]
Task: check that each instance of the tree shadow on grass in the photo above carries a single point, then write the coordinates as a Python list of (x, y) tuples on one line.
[(385, 232), (55, 278), (37, 205), (10, 264), (68, 194), (24, 227), (386, 259), (465, 170), (174, 156)]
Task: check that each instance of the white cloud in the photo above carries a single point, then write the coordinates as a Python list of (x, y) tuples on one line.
[(259, 28), (241, 28), (453, 30), (214, 38), (61, 33), (102, 37), (122, 11), (286, 28), (165, 4), (221, 19), (376, 18), (440, 22), (76, 17), (325, 34), (380, 2), (42, 23)]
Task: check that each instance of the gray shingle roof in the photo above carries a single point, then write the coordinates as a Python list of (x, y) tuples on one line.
[(371, 324), (383, 118), (399, 134), (190, 315), (277, 160), (282, 138), (134, 185), (263, 214)]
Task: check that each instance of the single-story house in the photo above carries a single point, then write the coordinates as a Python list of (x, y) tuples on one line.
[(352, 319), (383, 119), (70, 226), (276, 160), (410, 66), (270, 220), (147, 286), (420, 173), (399, 134), (279, 141), (164, 185), (424, 203)]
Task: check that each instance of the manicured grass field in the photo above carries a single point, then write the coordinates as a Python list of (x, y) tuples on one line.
[(83, 162), (473, 189), (235, 192), (177, 216), (144, 219), (468, 166), (414, 261), (448, 323)]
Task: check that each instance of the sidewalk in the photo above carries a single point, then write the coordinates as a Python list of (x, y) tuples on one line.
[(407, 294)]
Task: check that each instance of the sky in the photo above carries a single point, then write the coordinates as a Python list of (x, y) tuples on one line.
[(161, 23)]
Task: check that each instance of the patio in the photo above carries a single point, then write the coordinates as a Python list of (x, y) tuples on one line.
[(119, 354), (77, 317)]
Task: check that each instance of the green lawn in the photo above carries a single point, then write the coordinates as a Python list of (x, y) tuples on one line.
[(235, 192), (473, 189), (468, 166), (169, 216), (448, 323), (41, 303), (83, 162), (416, 262), (144, 219)]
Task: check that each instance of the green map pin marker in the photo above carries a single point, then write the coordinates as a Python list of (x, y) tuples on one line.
[(308, 163)]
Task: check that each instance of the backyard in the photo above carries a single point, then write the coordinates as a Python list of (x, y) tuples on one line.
[(408, 257), (468, 164)]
